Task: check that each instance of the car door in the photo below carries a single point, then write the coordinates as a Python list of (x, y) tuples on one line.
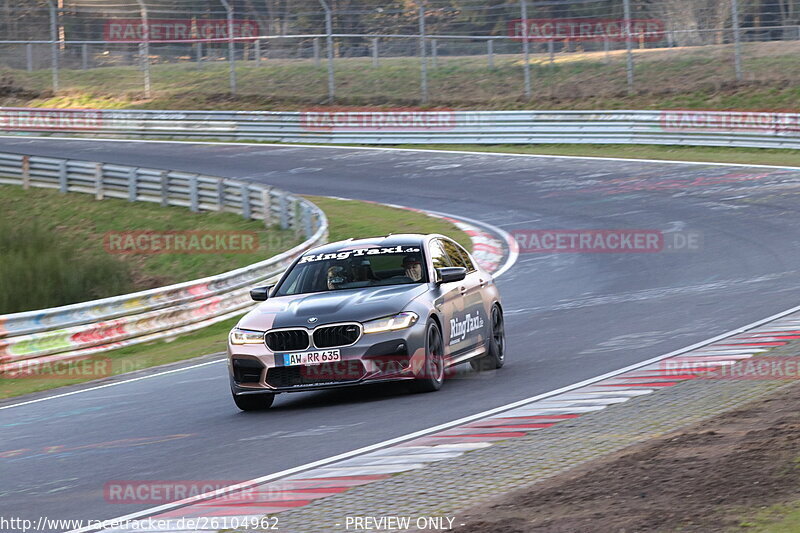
[(448, 301), (472, 321)]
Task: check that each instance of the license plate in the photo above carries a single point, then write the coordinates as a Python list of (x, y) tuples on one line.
[(311, 358)]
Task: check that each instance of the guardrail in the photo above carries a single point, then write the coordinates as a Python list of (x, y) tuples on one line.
[(79, 330), (692, 128)]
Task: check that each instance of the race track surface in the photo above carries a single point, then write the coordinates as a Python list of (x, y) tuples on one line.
[(569, 316)]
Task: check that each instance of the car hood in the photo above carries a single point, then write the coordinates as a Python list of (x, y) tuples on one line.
[(356, 305)]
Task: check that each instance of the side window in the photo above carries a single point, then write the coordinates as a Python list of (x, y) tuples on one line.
[(456, 259), (467, 260), (438, 256)]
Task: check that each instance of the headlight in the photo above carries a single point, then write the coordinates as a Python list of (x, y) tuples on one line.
[(246, 336), (402, 320)]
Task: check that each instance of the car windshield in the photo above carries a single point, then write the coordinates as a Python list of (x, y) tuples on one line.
[(355, 267)]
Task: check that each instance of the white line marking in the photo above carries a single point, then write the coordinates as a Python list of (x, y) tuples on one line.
[(37, 400), (381, 148), (515, 407)]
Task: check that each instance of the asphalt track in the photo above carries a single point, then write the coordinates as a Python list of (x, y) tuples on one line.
[(569, 316)]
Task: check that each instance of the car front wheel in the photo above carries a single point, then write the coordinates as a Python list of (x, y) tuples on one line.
[(431, 376)]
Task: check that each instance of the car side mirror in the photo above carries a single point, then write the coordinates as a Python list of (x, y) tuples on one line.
[(260, 294), (451, 274)]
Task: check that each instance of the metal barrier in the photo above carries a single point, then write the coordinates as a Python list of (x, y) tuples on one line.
[(76, 331), (691, 128)]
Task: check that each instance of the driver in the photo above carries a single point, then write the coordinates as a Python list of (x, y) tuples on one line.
[(413, 267), (335, 277)]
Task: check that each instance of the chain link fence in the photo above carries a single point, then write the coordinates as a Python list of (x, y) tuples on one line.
[(362, 49)]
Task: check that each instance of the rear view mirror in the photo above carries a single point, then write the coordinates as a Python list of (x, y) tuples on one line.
[(260, 294)]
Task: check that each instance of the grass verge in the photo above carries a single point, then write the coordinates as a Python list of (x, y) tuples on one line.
[(346, 219), (684, 77), (81, 228)]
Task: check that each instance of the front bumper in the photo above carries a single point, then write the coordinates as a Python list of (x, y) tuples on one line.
[(374, 358)]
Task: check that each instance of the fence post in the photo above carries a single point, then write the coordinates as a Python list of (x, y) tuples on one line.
[(423, 59), (231, 46), (329, 49), (307, 222), (164, 179), (375, 61), (246, 208), (316, 52), (199, 53), (144, 47), (266, 201), (526, 49), (98, 181), (490, 52), (133, 177), (54, 43), (85, 56), (194, 201), (434, 53), (606, 49), (628, 45), (29, 57), (62, 177), (551, 49), (257, 51), (294, 219), (737, 40), (284, 211), (220, 195), (26, 172)]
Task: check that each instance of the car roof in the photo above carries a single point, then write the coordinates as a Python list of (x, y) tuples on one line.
[(385, 240)]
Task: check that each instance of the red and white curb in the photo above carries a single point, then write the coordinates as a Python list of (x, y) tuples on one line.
[(302, 488)]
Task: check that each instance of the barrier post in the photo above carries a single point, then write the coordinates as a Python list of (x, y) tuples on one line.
[(98, 181), (266, 201), (133, 193), (62, 177), (26, 172), (164, 179), (194, 200), (246, 208), (220, 195)]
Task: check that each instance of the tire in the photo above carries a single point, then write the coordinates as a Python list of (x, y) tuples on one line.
[(432, 375), (495, 345), (253, 402)]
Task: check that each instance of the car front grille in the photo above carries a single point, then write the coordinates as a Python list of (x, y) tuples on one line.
[(341, 335), (293, 376), (247, 370), (287, 340)]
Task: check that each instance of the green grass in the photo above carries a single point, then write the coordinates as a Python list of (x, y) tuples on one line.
[(745, 156), (781, 518), (72, 228), (41, 269), (701, 77), (346, 219)]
